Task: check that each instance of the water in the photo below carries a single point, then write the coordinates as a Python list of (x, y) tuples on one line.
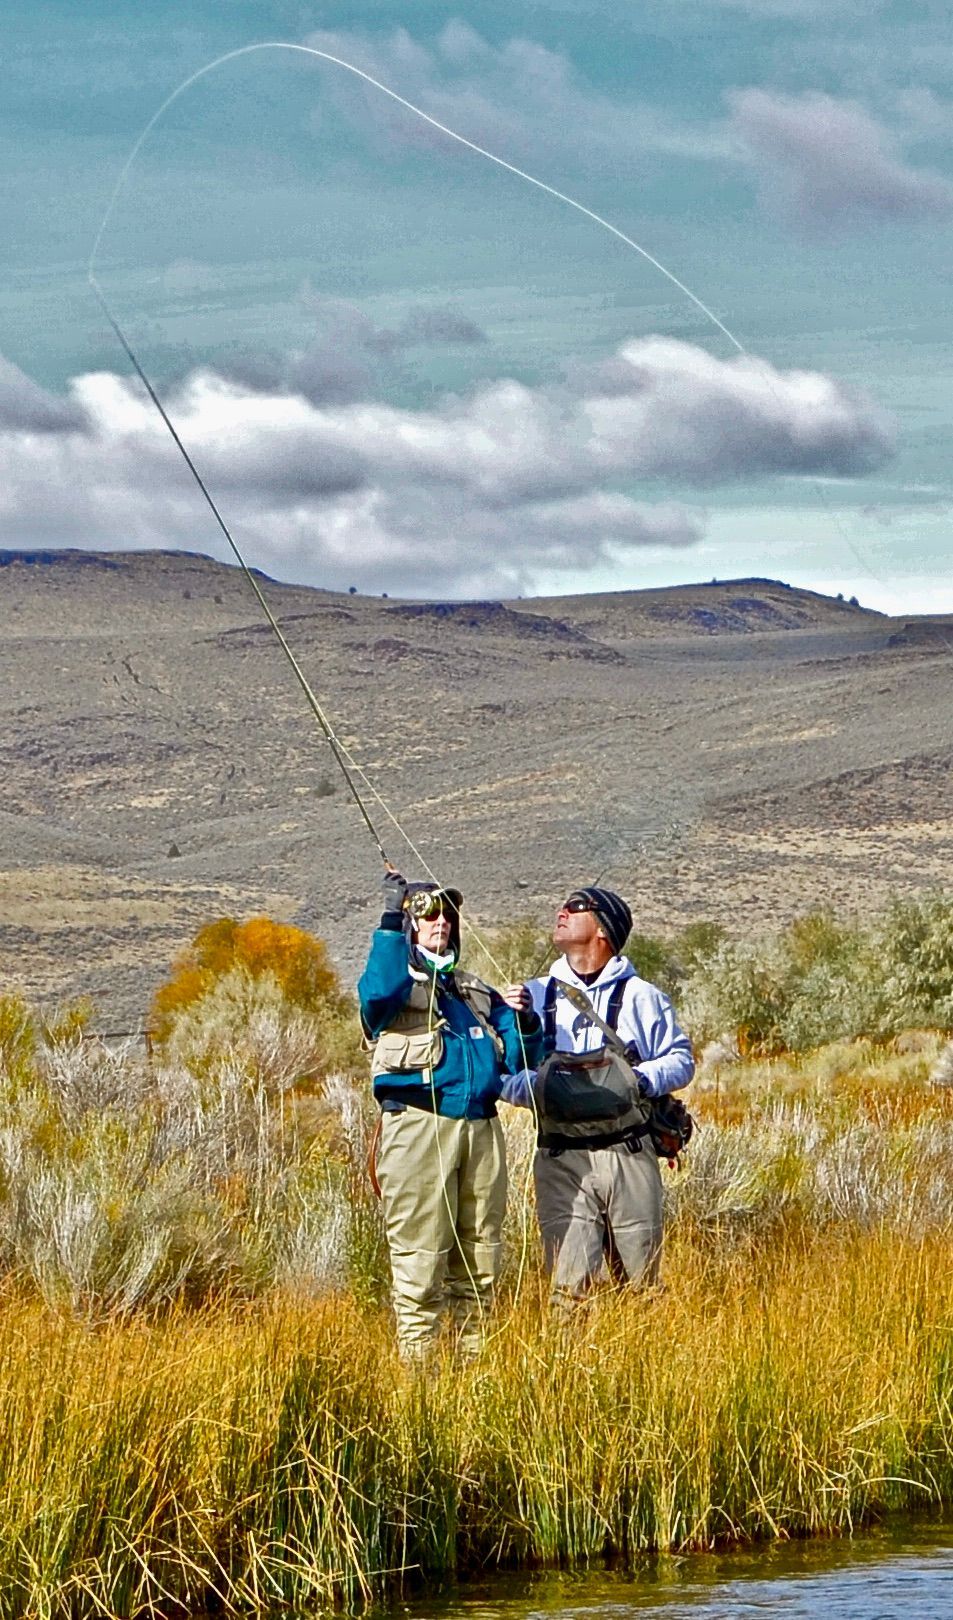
[(901, 1573)]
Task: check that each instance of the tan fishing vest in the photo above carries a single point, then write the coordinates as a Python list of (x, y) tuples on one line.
[(414, 1041)]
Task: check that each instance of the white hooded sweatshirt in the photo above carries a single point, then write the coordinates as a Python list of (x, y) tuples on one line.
[(645, 1017)]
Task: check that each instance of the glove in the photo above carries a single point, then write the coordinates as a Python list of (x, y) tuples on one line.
[(393, 892)]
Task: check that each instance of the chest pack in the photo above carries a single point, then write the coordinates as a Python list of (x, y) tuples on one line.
[(597, 1116), (587, 1099), (414, 1040)]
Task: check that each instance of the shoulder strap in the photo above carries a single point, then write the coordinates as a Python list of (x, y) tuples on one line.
[(614, 1004), (549, 1013), (613, 1010), (466, 983)]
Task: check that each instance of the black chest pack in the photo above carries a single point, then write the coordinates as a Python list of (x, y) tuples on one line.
[(592, 1099)]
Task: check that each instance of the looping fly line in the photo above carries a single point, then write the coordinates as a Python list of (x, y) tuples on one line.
[(344, 759), (348, 766)]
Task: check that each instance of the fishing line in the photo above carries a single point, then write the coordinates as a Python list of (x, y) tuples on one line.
[(444, 129), (341, 754)]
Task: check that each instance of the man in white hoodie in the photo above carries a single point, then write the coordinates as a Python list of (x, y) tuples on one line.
[(600, 1207)]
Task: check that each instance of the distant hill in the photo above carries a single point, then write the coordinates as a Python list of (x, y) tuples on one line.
[(742, 749), (723, 607)]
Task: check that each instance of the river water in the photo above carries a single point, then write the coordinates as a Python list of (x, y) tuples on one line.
[(901, 1573)]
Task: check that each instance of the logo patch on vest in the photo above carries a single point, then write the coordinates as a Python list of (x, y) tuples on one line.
[(476, 1032)]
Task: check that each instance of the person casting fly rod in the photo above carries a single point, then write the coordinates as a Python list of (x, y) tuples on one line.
[(441, 1042), (443, 1039)]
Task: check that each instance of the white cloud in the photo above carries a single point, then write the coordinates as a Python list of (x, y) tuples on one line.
[(475, 495), (828, 163), (669, 409), (347, 356)]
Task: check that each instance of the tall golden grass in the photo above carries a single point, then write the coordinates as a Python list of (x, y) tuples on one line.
[(201, 1406), (276, 1453)]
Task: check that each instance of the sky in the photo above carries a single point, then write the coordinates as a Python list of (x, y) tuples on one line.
[(402, 368)]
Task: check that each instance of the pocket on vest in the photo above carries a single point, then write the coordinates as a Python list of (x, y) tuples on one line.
[(397, 1051)]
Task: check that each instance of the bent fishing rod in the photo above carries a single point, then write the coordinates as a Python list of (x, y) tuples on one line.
[(418, 112), (300, 676)]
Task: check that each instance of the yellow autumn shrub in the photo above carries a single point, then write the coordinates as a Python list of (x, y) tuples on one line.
[(283, 968)]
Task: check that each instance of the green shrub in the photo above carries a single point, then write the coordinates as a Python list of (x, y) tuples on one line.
[(653, 959), (741, 988), (820, 980), (915, 941), (522, 950), (695, 943)]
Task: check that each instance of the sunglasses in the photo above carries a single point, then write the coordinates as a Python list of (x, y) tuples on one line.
[(578, 904), (425, 907)]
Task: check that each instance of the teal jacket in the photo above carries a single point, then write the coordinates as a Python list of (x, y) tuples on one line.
[(469, 1077)]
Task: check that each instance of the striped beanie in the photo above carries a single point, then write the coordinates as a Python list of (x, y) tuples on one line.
[(612, 912)]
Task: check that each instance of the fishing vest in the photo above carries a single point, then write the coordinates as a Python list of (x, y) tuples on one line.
[(413, 1041), (587, 1099)]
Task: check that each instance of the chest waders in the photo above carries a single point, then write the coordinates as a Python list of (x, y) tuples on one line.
[(413, 1043)]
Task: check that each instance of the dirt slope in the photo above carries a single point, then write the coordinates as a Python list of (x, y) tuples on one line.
[(741, 749)]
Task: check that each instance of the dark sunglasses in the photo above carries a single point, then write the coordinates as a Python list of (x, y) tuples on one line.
[(578, 904), (425, 906)]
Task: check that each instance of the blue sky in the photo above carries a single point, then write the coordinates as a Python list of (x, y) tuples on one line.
[(401, 368)]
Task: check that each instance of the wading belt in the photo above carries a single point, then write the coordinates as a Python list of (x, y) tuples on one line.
[(555, 1143)]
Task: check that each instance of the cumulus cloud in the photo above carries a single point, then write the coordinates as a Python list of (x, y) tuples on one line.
[(828, 163), (676, 411), (474, 495)]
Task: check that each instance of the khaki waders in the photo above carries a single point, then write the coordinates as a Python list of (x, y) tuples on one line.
[(443, 1189), (600, 1214)]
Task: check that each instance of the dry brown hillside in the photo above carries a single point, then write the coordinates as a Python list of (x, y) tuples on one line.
[(739, 749)]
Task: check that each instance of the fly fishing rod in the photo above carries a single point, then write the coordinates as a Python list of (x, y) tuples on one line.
[(300, 676)]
